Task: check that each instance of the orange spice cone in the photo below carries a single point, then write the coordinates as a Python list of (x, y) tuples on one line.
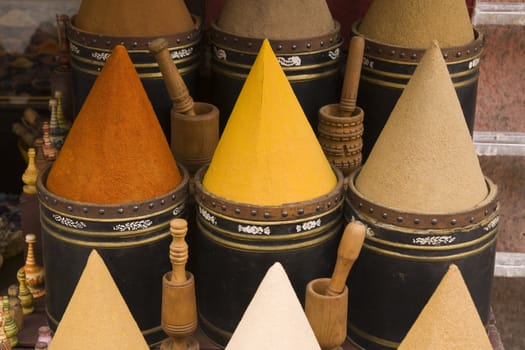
[(115, 151)]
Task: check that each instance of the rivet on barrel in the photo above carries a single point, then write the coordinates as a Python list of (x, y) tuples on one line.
[(371, 210), (135, 208), (417, 221), (101, 211), (135, 44), (321, 43), (445, 55), (385, 215), (300, 211), (318, 208), (108, 43), (414, 56), (250, 44), (173, 197), (223, 207), (453, 222), (458, 54), (471, 219), (402, 55), (329, 204), (237, 211), (486, 212), (120, 210), (213, 204), (178, 40), (151, 205), (308, 45), (188, 37), (468, 51), (94, 41), (162, 202), (253, 212), (284, 214), (267, 215), (433, 221), (55, 201), (69, 208), (294, 47), (85, 210), (399, 219), (279, 47), (393, 52)]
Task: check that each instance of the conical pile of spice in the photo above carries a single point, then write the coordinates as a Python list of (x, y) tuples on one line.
[(133, 17), (415, 23), (276, 19), (449, 320), (424, 160), (274, 318), (115, 151), (97, 316), (268, 154)]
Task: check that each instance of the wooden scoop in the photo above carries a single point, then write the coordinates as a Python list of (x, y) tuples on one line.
[(354, 61), (347, 253), (177, 89)]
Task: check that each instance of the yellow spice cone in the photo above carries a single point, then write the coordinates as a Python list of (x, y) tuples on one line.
[(415, 23), (449, 320), (276, 19), (133, 17), (116, 151), (274, 318), (268, 154), (97, 316), (424, 160)]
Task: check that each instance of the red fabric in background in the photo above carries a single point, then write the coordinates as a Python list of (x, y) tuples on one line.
[(345, 12)]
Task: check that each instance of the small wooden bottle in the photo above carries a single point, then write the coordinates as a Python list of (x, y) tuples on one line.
[(25, 296), (34, 272), (31, 173), (15, 306), (11, 331), (179, 306), (5, 344)]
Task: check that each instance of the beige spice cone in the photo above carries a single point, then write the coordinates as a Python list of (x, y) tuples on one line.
[(424, 160), (415, 23)]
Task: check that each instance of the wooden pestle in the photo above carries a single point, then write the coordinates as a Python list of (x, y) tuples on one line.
[(178, 250), (177, 89), (347, 253), (354, 61)]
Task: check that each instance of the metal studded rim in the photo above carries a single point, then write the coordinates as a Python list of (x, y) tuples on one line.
[(405, 54), (132, 43), (279, 46), (114, 211), (290, 211), (421, 220)]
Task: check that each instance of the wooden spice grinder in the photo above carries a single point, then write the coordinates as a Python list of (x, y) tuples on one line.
[(326, 302), (340, 127), (194, 125), (179, 306)]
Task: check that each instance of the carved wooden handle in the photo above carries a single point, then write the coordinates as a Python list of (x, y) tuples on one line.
[(179, 94), (178, 249), (352, 74), (347, 253)]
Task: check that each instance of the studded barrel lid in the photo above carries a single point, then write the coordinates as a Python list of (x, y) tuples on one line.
[(424, 160), (415, 23), (116, 151), (268, 153), (133, 17), (274, 318), (97, 316), (449, 320), (276, 19)]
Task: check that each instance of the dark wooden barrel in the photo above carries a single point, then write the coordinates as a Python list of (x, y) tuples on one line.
[(89, 52), (132, 238), (238, 243), (387, 69), (312, 66), (405, 256)]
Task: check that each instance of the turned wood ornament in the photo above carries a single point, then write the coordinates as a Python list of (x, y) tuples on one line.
[(10, 328), (179, 307), (34, 272), (5, 344), (194, 125), (15, 306), (25, 296), (340, 125), (326, 302), (31, 173), (50, 152)]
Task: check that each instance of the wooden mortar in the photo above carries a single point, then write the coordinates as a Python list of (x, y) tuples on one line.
[(326, 302), (179, 306), (194, 125)]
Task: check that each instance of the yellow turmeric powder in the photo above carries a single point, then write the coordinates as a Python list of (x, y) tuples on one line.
[(116, 151)]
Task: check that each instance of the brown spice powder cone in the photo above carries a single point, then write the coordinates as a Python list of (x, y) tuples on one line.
[(424, 160), (134, 17), (415, 23), (276, 19), (115, 151)]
